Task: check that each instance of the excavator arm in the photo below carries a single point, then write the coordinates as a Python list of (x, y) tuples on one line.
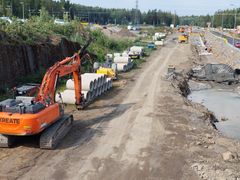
[(70, 65)]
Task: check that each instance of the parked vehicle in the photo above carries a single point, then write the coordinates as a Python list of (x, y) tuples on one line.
[(7, 19), (60, 22), (237, 44)]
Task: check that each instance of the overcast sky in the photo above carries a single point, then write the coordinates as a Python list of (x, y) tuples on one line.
[(182, 7)]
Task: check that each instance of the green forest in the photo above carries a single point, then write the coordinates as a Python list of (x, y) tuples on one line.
[(27, 8), (221, 18)]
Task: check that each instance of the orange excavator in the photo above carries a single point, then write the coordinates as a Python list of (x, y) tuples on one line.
[(24, 116)]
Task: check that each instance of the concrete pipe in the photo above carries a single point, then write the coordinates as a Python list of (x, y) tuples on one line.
[(130, 65), (105, 86), (114, 67), (93, 75), (99, 80), (96, 65), (109, 82), (87, 85), (125, 54), (108, 79), (57, 99), (110, 85), (99, 77), (68, 97), (110, 56), (102, 89), (91, 78), (96, 93), (117, 54), (87, 95), (92, 93), (122, 59), (122, 67), (102, 80)]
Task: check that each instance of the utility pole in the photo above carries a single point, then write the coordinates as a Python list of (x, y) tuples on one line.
[(174, 21), (29, 11), (11, 7), (136, 15), (213, 21), (88, 17), (23, 13), (235, 23), (2, 8)]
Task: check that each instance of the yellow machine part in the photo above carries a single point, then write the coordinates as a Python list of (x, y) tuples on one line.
[(183, 38), (107, 71)]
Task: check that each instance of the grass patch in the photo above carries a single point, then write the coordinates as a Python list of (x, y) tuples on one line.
[(137, 63)]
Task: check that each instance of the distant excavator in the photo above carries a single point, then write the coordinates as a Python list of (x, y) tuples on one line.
[(25, 116)]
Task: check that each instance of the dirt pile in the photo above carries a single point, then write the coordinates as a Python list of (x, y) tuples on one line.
[(116, 32), (19, 60), (125, 33)]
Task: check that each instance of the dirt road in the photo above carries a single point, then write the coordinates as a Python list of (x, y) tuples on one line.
[(143, 129)]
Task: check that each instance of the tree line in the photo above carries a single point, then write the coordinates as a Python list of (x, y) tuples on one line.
[(223, 18), (57, 9)]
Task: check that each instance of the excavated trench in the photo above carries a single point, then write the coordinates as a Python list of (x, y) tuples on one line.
[(224, 103), (220, 99), (216, 88)]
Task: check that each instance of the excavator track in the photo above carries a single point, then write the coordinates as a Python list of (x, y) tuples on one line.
[(51, 137), (6, 141)]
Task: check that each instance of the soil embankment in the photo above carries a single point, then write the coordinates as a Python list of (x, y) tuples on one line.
[(19, 60)]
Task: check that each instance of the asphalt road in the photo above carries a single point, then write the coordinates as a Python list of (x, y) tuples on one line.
[(230, 40)]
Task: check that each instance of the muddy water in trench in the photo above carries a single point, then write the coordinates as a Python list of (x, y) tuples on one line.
[(225, 104)]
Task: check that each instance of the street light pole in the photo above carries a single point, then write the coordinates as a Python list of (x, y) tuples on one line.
[(222, 24), (235, 24)]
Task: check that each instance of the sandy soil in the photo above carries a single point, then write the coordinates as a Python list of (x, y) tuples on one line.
[(142, 129)]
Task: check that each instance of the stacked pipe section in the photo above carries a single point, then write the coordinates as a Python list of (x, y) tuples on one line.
[(123, 63), (136, 50), (93, 86)]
